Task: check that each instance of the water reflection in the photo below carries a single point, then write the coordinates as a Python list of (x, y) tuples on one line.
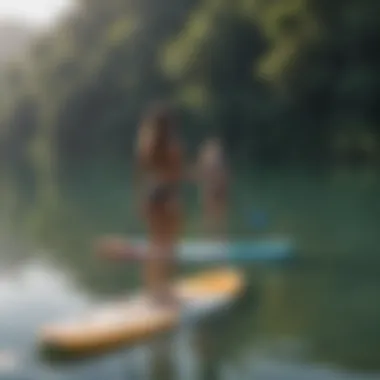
[(245, 343), (296, 321)]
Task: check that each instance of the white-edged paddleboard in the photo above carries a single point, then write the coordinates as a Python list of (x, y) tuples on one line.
[(137, 318)]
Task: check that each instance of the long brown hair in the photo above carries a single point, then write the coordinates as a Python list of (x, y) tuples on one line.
[(156, 135)]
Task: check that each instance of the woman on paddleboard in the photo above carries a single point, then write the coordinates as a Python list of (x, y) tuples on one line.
[(159, 169), (213, 179)]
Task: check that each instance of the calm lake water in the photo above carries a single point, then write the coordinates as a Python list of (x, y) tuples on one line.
[(318, 319)]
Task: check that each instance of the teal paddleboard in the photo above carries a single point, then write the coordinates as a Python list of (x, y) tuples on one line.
[(206, 250)]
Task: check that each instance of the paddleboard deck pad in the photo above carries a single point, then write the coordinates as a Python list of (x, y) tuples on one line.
[(138, 318)]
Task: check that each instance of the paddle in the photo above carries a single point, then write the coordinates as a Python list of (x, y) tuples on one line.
[(117, 248)]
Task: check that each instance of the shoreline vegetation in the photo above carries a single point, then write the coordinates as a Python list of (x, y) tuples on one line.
[(289, 82)]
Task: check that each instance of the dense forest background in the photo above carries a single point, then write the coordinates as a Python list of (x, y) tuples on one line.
[(279, 81)]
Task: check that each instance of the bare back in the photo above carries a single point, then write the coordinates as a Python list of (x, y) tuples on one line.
[(169, 171), (212, 171)]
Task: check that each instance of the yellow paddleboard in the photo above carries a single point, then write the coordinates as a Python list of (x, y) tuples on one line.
[(136, 318)]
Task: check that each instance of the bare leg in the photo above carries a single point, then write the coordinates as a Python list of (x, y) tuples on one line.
[(164, 223), (159, 269), (165, 267), (214, 221)]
